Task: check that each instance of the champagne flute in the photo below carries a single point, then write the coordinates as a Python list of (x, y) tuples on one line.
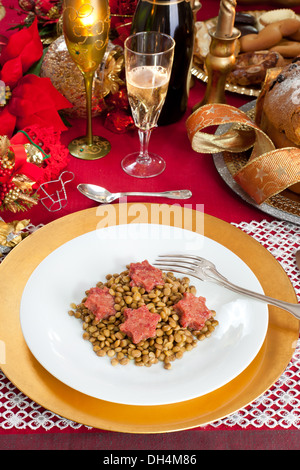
[(148, 65), (86, 27)]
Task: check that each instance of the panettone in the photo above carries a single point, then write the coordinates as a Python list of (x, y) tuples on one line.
[(278, 107)]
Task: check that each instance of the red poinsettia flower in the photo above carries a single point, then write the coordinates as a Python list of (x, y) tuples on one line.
[(23, 49), (34, 100)]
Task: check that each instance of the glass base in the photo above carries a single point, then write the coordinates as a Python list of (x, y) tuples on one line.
[(99, 148), (133, 166)]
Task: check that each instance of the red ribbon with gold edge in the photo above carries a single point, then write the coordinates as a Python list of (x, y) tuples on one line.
[(21, 165), (268, 171)]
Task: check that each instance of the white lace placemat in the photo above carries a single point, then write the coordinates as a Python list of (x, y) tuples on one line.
[(279, 407)]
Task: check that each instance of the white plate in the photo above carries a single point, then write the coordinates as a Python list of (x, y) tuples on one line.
[(55, 338)]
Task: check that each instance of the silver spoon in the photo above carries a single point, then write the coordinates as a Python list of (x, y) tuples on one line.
[(102, 195)]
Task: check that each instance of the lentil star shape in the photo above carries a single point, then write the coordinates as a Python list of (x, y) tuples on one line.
[(140, 323), (145, 275), (193, 311), (100, 302)]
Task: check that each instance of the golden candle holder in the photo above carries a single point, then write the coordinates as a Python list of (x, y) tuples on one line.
[(221, 56), (219, 62)]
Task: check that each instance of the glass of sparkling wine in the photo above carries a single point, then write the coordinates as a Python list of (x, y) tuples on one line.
[(86, 26), (148, 65)]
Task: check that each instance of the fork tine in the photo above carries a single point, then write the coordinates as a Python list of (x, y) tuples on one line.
[(171, 266), (177, 259), (179, 255), (177, 268), (174, 269), (202, 268)]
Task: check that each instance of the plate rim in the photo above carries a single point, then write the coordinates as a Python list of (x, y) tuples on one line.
[(35, 382)]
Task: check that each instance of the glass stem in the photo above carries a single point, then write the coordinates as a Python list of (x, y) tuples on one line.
[(144, 136), (88, 82)]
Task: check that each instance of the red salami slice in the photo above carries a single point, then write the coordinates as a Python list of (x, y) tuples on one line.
[(140, 323), (193, 311), (144, 275), (100, 302)]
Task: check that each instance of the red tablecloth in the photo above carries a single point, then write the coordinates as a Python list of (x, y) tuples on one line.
[(185, 169)]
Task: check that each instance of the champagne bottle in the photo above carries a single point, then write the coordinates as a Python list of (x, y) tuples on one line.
[(173, 17)]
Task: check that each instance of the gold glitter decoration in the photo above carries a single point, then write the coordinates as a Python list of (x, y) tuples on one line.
[(6, 96), (68, 80), (113, 67), (23, 183), (12, 196), (4, 145), (34, 155), (11, 234)]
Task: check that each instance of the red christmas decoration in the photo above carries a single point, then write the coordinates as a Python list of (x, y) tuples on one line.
[(29, 159), (34, 100)]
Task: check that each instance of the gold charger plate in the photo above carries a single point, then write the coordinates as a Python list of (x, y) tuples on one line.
[(23, 370)]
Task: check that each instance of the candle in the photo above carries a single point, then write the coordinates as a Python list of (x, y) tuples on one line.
[(226, 18), (85, 20), (87, 16)]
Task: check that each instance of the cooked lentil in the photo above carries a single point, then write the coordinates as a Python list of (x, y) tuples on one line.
[(171, 340)]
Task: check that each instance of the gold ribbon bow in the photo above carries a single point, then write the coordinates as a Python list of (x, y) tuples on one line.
[(11, 233), (268, 170)]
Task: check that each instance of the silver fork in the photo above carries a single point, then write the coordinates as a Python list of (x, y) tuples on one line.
[(205, 270)]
